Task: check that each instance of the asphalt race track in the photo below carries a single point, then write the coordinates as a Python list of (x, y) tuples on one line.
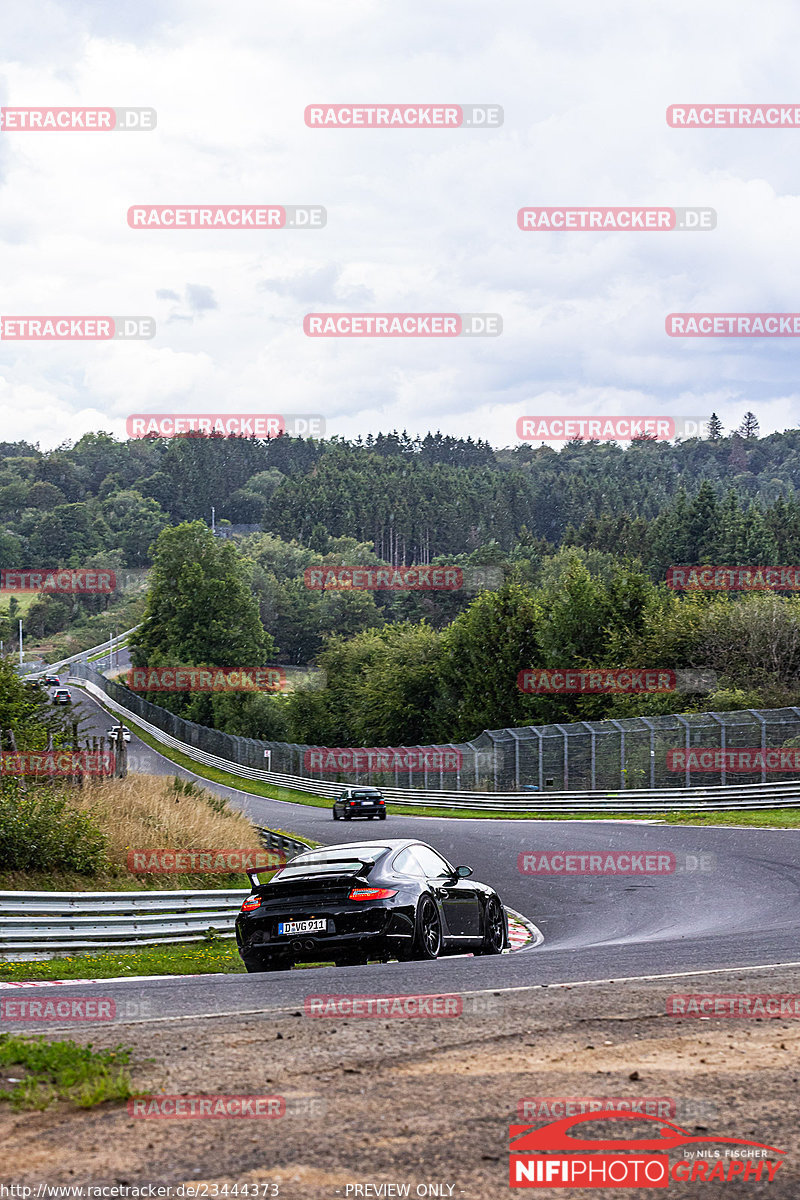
[(740, 911)]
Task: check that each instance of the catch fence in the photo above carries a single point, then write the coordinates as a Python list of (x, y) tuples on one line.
[(628, 754)]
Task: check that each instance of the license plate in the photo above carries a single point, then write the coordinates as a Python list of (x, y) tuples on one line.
[(313, 925), (368, 803)]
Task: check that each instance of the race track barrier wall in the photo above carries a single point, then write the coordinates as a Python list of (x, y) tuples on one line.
[(42, 924), (708, 799)]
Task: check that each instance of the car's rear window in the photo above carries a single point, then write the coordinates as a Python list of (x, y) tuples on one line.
[(368, 849), (338, 866)]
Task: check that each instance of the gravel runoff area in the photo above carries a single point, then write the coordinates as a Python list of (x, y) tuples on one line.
[(421, 1103)]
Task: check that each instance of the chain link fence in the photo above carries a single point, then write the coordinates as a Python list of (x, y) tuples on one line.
[(695, 749)]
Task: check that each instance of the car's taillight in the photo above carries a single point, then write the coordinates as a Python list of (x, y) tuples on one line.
[(352, 803), (368, 893), (381, 802), (250, 903)]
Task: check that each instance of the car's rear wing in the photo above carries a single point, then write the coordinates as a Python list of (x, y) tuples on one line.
[(364, 864)]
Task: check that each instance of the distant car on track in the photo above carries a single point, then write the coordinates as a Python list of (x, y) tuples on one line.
[(62, 696), (397, 898), (50, 681), (355, 802), (115, 730)]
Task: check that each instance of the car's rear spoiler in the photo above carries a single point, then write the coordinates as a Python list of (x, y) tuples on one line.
[(365, 863)]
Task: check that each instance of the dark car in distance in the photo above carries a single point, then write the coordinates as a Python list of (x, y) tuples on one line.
[(397, 898), (51, 681), (354, 802)]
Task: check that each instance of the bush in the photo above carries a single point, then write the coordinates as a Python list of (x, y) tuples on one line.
[(39, 832)]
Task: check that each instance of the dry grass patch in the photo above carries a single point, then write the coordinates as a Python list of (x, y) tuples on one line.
[(146, 812)]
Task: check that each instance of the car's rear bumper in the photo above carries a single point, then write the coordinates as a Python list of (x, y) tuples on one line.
[(365, 811), (349, 929)]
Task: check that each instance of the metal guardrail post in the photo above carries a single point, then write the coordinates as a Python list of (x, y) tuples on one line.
[(758, 717), (565, 757), (682, 721), (621, 731), (723, 742), (652, 729)]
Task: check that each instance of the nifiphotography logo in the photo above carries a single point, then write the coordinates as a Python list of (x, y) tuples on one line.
[(561, 1155)]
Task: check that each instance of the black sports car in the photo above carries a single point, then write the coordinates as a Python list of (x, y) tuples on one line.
[(359, 802), (396, 898)]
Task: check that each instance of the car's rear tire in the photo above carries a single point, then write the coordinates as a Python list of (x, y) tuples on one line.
[(256, 963), (381, 816), (427, 943), (335, 815), (494, 928)]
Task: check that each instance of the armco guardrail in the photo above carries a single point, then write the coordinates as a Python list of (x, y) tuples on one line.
[(51, 922), (628, 754), (655, 800), (47, 923), (82, 655)]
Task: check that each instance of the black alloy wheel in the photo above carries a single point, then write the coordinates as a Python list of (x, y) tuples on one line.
[(427, 943), (494, 928)]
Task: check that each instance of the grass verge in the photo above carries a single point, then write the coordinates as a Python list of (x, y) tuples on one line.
[(34, 1073), (766, 818), (216, 956)]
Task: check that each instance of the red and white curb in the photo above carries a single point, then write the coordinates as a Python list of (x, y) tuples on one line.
[(522, 933)]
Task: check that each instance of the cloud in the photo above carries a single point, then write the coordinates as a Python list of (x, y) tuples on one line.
[(418, 220)]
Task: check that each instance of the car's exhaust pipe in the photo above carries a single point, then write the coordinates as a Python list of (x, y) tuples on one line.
[(297, 945), (309, 944)]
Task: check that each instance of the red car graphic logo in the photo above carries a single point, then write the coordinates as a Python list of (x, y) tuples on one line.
[(557, 1136)]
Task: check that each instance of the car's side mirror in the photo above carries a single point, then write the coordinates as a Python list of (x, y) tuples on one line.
[(463, 872)]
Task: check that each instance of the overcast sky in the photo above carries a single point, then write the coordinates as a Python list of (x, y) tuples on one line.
[(418, 220)]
